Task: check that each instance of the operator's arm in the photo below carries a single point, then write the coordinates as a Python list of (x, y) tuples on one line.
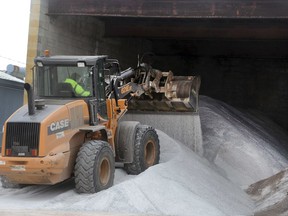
[(78, 89)]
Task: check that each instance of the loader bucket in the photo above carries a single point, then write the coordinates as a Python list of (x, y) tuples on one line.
[(182, 126), (172, 109), (176, 94)]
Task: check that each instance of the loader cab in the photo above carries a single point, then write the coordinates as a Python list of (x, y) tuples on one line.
[(65, 78)]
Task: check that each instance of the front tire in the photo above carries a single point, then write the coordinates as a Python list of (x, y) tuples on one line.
[(146, 150), (95, 167)]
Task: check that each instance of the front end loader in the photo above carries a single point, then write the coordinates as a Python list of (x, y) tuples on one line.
[(62, 134)]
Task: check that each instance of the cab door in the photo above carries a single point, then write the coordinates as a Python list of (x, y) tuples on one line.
[(100, 89)]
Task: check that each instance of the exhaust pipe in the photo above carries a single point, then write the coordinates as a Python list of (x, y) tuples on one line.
[(31, 101)]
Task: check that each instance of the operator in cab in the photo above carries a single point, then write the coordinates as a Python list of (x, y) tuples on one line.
[(79, 91)]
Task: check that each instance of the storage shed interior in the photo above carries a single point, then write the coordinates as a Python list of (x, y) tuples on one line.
[(238, 47)]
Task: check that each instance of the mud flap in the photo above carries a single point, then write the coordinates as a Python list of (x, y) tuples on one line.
[(182, 126), (124, 141)]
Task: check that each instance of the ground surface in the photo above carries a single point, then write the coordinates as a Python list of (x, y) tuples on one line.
[(239, 151)]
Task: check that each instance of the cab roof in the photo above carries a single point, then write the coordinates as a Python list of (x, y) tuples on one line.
[(68, 60)]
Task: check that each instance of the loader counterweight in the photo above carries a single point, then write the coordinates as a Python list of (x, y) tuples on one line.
[(44, 170)]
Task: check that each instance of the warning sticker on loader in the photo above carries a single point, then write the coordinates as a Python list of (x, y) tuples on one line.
[(18, 168)]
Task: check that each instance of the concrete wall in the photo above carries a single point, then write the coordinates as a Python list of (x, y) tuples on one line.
[(66, 35), (78, 35)]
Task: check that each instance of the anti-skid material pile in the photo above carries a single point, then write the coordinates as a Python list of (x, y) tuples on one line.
[(237, 151)]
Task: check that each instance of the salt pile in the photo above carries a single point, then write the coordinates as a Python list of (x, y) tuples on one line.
[(238, 150)]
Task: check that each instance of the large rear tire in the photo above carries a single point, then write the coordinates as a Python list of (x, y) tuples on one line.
[(95, 167), (146, 150)]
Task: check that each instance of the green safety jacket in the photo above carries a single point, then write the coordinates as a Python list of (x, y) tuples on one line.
[(78, 89)]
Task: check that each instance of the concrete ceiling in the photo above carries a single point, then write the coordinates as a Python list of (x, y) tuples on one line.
[(184, 19), (173, 8), (201, 28)]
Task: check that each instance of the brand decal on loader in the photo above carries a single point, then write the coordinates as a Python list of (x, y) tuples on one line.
[(58, 126)]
